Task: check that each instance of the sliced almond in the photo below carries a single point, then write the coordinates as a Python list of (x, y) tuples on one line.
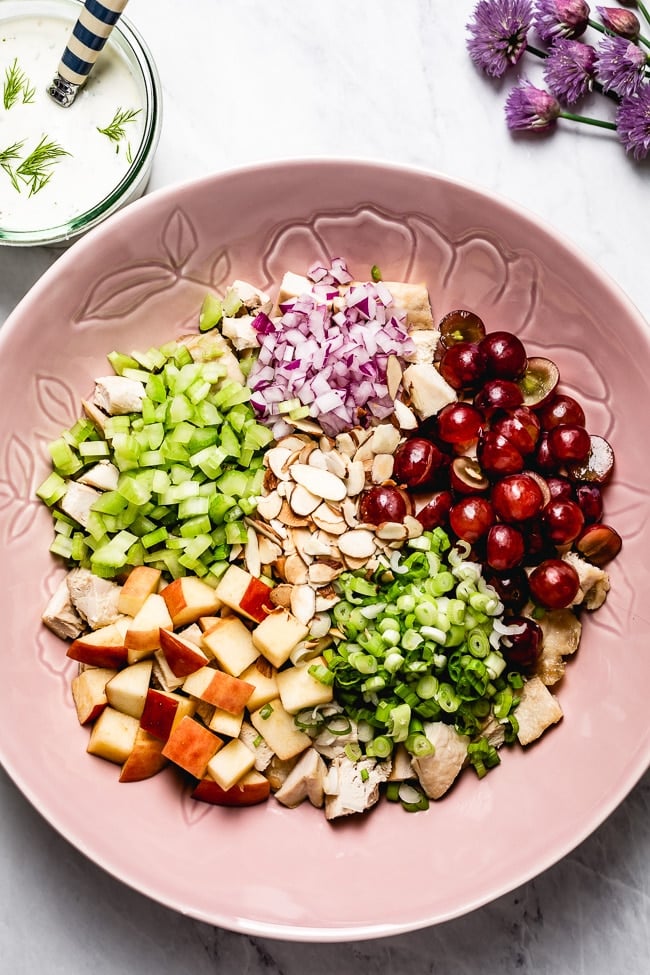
[(393, 375), (303, 502), (303, 603), (306, 452), (281, 595), (360, 435), (309, 426), (252, 553), (279, 528), (269, 507), (270, 481), (269, 551), (349, 509), (317, 459), (317, 545), (345, 444), (354, 564), (322, 572), (413, 526), (405, 417), (385, 439), (382, 468), (328, 520), (295, 570), (357, 544), (336, 463), (289, 518), (392, 531), (356, 478), (275, 459), (321, 483), (293, 441), (326, 598), (263, 529)]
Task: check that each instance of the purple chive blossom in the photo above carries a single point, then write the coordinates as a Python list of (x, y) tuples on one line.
[(498, 34), (621, 22), (620, 65), (531, 108), (633, 122), (561, 18), (569, 69)]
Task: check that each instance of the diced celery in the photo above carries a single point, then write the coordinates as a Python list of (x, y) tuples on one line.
[(156, 389), (64, 458), (233, 483), (229, 441), (52, 489), (63, 527), (138, 375), (211, 313), (195, 526), (110, 503), (231, 303), (94, 448), (194, 506), (236, 533), (154, 537), (152, 458), (119, 361), (219, 505)]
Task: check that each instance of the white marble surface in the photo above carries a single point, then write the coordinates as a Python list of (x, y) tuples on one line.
[(386, 80)]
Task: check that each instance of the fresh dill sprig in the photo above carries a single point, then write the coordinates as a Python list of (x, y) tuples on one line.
[(35, 169), (7, 156), (115, 130), (16, 83)]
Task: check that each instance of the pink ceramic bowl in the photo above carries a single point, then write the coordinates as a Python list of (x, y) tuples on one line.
[(140, 280)]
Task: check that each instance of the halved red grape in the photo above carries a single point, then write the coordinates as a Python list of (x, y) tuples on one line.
[(505, 355), (504, 547), (545, 461), (498, 394), (471, 517), (554, 584), (539, 381), (459, 423), (497, 456), (590, 499), (521, 427), (512, 587), (598, 465), (517, 497), (462, 365), (600, 544), (560, 488), (416, 462), (435, 513), (569, 442), (563, 520), (461, 326), (523, 649), (466, 476), (382, 503), (561, 408)]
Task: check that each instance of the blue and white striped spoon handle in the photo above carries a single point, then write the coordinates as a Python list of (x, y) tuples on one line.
[(88, 37)]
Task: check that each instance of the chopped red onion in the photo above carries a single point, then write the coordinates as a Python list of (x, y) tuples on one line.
[(332, 360)]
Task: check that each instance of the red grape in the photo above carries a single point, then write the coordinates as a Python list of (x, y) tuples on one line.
[(517, 497), (462, 365), (459, 423), (471, 517), (524, 648), (561, 408), (512, 587), (554, 584), (435, 513), (590, 499), (382, 503), (498, 394), (569, 442), (497, 456), (505, 355), (599, 543), (521, 427), (466, 477), (461, 326), (563, 521), (417, 461), (560, 489), (504, 547)]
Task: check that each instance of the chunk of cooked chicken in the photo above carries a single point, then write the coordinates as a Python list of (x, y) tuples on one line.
[(78, 501), (437, 772), (117, 395), (425, 341), (103, 476), (60, 615), (414, 300), (494, 731), (240, 332), (253, 299), (304, 781), (428, 391), (537, 710), (594, 582), (561, 631), (353, 787), (95, 599)]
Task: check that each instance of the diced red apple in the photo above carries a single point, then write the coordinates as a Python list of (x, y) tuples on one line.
[(104, 647), (189, 598), (163, 710), (298, 689), (244, 593), (278, 729), (142, 581), (127, 691), (143, 634), (230, 643), (224, 723), (219, 688), (89, 692), (191, 746), (278, 634), (113, 736), (183, 656), (230, 763), (263, 678), (250, 790), (145, 759)]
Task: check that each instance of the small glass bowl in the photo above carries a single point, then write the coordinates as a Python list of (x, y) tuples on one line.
[(128, 44)]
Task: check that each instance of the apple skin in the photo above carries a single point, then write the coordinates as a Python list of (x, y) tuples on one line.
[(188, 598), (183, 658), (140, 583), (191, 746), (89, 692), (100, 648), (162, 710), (252, 789), (146, 758), (256, 601)]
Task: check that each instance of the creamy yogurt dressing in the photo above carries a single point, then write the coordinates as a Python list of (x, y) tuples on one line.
[(82, 179)]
